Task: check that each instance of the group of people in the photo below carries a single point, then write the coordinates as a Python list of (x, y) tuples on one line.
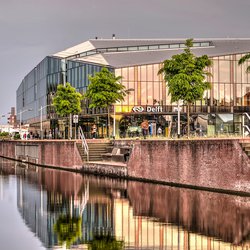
[(30, 135), (145, 126)]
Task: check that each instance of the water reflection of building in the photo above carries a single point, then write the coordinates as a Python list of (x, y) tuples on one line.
[(45, 196), (144, 216), (145, 233)]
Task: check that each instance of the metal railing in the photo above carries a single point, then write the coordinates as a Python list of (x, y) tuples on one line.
[(243, 124), (84, 142)]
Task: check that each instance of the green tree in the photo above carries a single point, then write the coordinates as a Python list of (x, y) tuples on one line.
[(103, 242), (185, 76), (68, 229), (244, 59), (67, 100), (104, 90)]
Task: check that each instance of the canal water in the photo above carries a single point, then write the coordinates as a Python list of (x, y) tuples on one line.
[(49, 209)]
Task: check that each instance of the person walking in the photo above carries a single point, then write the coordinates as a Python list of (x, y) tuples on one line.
[(144, 126), (159, 131), (94, 131)]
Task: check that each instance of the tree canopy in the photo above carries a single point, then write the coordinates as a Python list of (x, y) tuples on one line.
[(104, 89), (68, 229), (103, 242), (244, 59), (185, 76), (67, 100)]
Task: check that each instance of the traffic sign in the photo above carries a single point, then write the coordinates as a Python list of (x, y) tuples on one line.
[(75, 118)]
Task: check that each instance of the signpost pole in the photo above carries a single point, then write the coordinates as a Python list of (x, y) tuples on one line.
[(75, 121)]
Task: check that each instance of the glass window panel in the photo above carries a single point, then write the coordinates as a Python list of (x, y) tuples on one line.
[(156, 77), (143, 47), (246, 94), (168, 97), (164, 46), (143, 73), (135, 93), (150, 93), (196, 44), (143, 93), (215, 77), (228, 98), (238, 73), (132, 48), (154, 47), (131, 95), (173, 46), (131, 74), (244, 73), (91, 53), (118, 72), (156, 96), (222, 94), (112, 49), (124, 74), (215, 94), (149, 73), (125, 102), (224, 67), (205, 44), (123, 49), (238, 57)]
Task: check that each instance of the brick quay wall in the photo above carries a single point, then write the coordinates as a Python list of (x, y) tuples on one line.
[(53, 153), (219, 164), (211, 163)]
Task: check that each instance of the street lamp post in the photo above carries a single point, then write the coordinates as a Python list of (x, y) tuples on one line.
[(20, 113), (41, 119), (114, 124)]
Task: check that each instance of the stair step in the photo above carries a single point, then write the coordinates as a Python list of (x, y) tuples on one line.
[(96, 150)]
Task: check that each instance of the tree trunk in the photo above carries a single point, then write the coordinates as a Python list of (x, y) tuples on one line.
[(188, 120), (70, 126), (108, 123)]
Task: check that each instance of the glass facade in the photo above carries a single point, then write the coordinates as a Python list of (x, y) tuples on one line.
[(148, 95), (229, 94), (39, 86)]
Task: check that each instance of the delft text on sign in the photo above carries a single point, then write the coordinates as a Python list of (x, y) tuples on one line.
[(149, 109)]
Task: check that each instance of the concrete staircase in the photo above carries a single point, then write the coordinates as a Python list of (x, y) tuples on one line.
[(246, 147), (96, 149)]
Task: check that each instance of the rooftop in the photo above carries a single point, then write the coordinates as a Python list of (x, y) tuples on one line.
[(128, 52)]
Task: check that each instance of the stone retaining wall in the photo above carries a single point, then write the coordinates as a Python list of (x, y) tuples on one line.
[(55, 153), (218, 164)]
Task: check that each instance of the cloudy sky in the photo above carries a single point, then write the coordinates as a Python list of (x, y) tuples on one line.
[(32, 29)]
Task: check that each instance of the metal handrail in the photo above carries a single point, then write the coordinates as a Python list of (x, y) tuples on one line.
[(245, 126), (84, 142), (248, 129)]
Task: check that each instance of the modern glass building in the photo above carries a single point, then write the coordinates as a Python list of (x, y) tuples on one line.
[(138, 62)]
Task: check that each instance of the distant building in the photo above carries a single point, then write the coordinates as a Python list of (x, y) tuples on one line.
[(138, 62), (12, 118)]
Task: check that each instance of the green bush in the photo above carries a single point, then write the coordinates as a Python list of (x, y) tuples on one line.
[(17, 137), (4, 135)]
